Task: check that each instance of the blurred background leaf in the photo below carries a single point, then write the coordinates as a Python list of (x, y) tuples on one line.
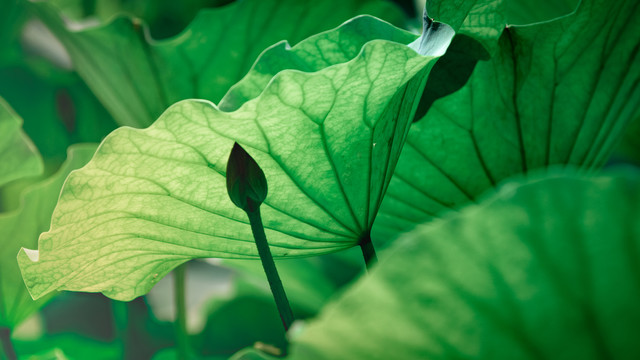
[(209, 56), (21, 227), (19, 158)]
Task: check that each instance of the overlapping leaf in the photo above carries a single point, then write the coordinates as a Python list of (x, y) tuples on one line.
[(525, 12), (544, 270), (21, 227), (151, 199), (557, 93), (18, 156), (165, 17), (67, 112), (472, 18), (137, 78), (482, 20), (62, 97)]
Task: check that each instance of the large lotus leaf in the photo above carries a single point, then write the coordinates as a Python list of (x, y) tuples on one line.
[(478, 25), (482, 20), (449, 74), (629, 147), (557, 93), (12, 15), (151, 199), (165, 17), (62, 99), (524, 12), (137, 78), (66, 113), (21, 227), (18, 156), (544, 270), (328, 48)]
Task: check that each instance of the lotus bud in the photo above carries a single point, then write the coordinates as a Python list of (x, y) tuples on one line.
[(246, 183)]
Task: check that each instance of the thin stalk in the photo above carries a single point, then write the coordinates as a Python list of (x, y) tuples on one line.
[(368, 251), (119, 312), (269, 266), (181, 312), (7, 346)]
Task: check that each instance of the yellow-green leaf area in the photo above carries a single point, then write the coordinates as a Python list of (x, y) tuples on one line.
[(21, 228), (151, 199)]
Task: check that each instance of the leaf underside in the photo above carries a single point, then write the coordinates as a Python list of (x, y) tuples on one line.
[(556, 93), (21, 227), (151, 199)]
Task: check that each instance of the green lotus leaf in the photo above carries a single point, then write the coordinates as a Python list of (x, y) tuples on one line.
[(137, 78), (252, 354), (19, 158), (547, 269), (559, 92), (482, 20), (165, 17), (21, 227), (525, 12), (449, 74), (152, 199), (49, 98), (67, 346), (330, 47), (12, 16), (67, 112), (629, 147)]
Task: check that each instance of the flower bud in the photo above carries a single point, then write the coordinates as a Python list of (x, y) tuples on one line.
[(246, 183)]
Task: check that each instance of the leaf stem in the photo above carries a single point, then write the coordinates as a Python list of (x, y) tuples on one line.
[(7, 346), (269, 266), (119, 312), (368, 251), (182, 336)]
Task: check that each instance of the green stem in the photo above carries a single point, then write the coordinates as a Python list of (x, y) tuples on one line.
[(269, 266), (368, 251), (119, 312), (7, 346), (181, 312)]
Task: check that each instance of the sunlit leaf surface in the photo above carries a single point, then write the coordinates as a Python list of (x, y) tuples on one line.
[(151, 199)]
